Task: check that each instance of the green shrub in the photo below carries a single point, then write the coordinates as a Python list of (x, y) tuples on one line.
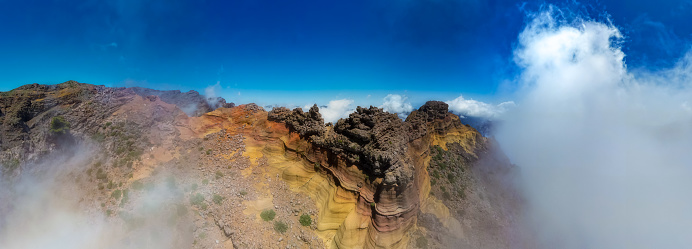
[(450, 178), (194, 186), (198, 200), (243, 192), (58, 125), (101, 175), (205, 181), (305, 220), (209, 152), (372, 205), (280, 226), (217, 199), (218, 175), (268, 214), (116, 194)]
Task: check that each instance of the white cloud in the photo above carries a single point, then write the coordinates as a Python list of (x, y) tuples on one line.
[(604, 151), (473, 108), (210, 91), (211, 94), (398, 104), (336, 109)]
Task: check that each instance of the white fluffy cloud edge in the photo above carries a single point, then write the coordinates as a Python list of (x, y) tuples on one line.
[(604, 150)]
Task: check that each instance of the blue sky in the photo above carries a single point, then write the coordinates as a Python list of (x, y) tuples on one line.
[(298, 52)]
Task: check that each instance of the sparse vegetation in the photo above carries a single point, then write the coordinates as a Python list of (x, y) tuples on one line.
[(196, 199), (243, 192), (305, 220), (101, 175), (209, 152), (218, 175), (217, 199), (268, 215), (372, 205), (58, 125), (205, 181), (116, 194), (98, 137), (450, 178), (194, 187), (280, 227)]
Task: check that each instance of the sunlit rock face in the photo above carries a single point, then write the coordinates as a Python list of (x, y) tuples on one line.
[(382, 160)]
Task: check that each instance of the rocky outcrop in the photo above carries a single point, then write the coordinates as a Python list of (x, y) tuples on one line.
[(29, 109), (390, 157), (307, 124)]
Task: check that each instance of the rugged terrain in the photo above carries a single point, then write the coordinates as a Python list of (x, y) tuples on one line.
[(170, 169)]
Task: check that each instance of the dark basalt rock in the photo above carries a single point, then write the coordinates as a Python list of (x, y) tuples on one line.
[(306, 124)]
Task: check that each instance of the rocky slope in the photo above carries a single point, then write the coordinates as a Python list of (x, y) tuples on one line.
[(369, 181)]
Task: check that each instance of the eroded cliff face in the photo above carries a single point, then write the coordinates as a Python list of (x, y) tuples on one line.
[(382, 161)]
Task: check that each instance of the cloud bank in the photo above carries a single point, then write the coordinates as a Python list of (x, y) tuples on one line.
[(398, 104), (51, 204), (604, 150), (337, 109), (473, 108)]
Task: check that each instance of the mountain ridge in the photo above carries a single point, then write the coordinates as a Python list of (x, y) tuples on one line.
[(376, 170)]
